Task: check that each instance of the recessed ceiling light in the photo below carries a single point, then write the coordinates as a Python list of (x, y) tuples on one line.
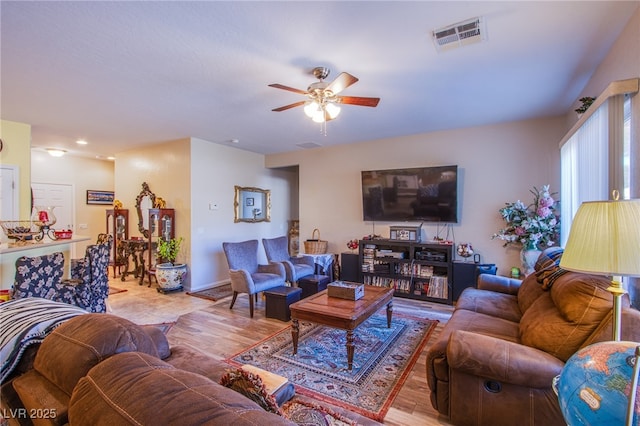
[(81, 142), (55, 152), (111, 158), (234, 140)]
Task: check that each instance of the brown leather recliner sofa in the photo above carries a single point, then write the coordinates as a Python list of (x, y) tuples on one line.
[(495, 360)]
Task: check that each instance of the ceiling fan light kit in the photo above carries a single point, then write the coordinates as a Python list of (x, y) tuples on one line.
[(322, 103)]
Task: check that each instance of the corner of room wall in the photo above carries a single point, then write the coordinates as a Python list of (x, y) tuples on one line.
[(621, 62), (16, 138), (165, 167), (215, 170)]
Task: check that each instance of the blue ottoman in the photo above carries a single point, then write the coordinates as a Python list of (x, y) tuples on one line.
[(278, 300)]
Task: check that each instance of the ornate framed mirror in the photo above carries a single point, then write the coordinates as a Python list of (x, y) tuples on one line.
[(252, 204), (144, 201)]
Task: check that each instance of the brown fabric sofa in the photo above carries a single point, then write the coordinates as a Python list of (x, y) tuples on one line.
[(495, 359)]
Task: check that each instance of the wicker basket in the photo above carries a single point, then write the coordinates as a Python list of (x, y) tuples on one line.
[(315, 246)]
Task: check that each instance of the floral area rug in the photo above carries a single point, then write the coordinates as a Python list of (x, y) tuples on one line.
[(383, 360)]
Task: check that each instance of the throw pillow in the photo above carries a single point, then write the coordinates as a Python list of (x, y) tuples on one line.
[(548, 267), (251, 386), (549, 257)]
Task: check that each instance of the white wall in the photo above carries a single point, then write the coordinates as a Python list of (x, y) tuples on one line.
[(215, 170), (496, 164)]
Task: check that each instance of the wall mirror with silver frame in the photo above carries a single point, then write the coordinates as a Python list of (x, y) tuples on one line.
[(252, 204), (144, 201)]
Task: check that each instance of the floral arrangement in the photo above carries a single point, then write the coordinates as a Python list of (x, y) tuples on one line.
[(352, 244), (533, 226)]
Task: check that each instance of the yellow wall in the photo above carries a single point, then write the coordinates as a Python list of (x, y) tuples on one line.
[(16, 139), (165, 167)]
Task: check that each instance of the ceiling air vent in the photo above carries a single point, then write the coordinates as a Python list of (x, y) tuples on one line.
[(460, 34)]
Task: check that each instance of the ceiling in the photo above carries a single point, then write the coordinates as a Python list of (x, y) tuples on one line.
[(126, 74)]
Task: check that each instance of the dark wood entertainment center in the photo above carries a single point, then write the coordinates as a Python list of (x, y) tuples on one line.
[(420, 271)]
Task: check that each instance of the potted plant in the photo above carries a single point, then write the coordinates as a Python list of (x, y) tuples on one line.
[(170, 274), (586, 103)]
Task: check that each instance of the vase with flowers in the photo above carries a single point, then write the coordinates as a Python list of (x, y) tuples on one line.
[(533, 227)]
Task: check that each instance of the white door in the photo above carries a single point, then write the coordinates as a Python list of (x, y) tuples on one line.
[(9, 192)]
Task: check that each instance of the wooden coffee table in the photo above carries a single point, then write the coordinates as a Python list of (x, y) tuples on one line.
[(341, 313)]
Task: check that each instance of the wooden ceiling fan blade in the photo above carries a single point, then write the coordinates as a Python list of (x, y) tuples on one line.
[(286, 107), (341, 82), (356, 100), (290, 89)]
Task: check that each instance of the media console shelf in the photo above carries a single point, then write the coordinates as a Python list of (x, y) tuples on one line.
[(415, 270)]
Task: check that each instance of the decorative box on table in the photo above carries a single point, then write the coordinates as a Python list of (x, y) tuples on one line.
[(344, 290)]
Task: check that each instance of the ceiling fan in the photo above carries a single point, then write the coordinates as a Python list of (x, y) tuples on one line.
[(322, 102)]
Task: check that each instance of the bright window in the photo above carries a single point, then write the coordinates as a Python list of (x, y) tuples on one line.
[(596, 159), (626, 150)]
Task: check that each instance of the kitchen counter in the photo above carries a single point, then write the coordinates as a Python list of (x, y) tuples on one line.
[(9, 255)]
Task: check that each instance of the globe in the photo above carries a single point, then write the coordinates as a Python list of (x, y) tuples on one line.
[(595, 383)]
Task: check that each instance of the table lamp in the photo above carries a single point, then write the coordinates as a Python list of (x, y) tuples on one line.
[(605, 240)]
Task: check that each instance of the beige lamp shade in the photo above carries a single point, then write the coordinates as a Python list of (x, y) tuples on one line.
[(605, 239)]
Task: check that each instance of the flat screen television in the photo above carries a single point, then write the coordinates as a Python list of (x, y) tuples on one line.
[(424, 194)]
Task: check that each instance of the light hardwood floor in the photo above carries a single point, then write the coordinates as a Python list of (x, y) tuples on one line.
[(214, 329)]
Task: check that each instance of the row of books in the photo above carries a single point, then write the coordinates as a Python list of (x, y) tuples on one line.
[(399, 285), (436, 286), (407, 269), (415, 270)]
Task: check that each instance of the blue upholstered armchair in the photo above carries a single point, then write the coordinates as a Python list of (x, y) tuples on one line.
[(277, 250), (41, 276), (77, 265), (91, 278), (247, 276)]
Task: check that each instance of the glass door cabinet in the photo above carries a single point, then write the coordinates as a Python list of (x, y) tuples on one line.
[(118, 227), (161, 227)]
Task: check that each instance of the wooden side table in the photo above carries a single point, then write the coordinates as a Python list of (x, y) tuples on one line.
[(134, 250)]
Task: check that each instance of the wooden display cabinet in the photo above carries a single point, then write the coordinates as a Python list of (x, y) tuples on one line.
[(161, 227), (118, 227)]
